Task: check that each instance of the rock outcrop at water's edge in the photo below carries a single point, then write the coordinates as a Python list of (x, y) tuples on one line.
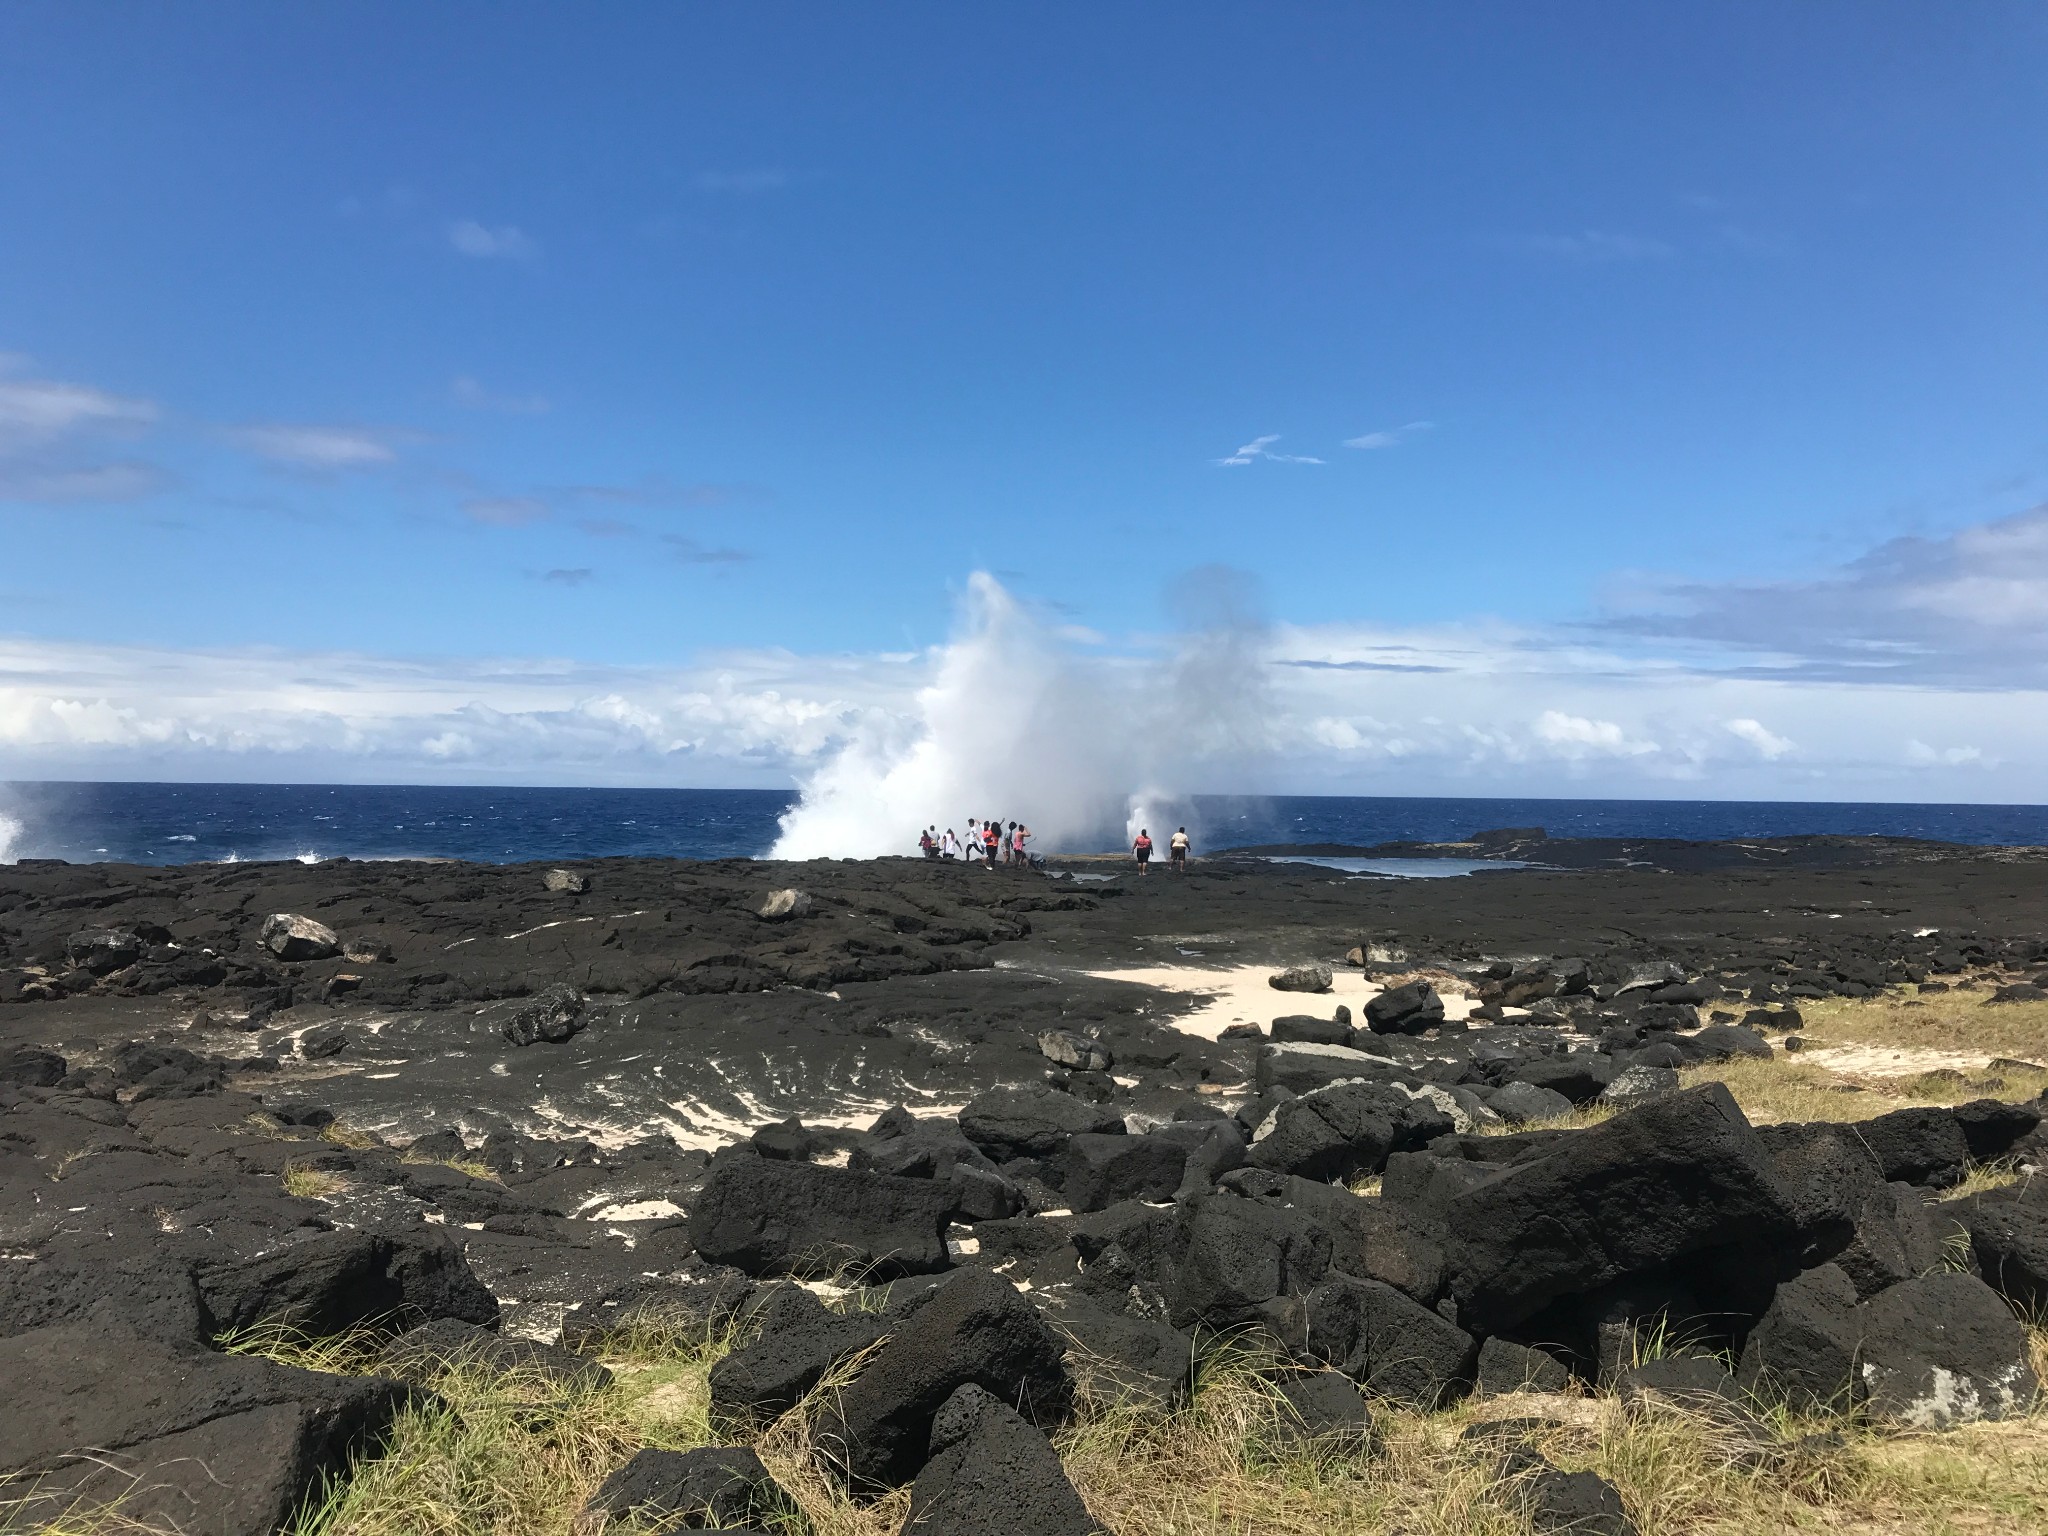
[(674, 1090)]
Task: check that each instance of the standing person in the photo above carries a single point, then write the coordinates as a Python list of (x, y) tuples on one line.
[(1141, 850), (925, 844), (970, 845), (1017, 836), (992, 840), (949, 845), (1177, 851)]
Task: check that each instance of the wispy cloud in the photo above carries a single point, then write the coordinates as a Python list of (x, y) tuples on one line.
[(1261, 448), (1968, 609), (124, 480), (656, 491), (507, 241), (1596, 245), (36, 412), (1393, 437), (506, 511), (690, 551), (568, 578), (759, 179), (472, 396), (321, 447), (608, 527), (51, 435)]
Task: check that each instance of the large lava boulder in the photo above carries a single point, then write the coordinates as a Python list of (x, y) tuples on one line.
[(1939, 1350), (1678, 1177), (991, 1473), (778, 1218), (336, 1281), (976, 1331), (231, 1445), (289, 936), (553, 1014), (1008, 1123), (716, 1487), (1408, 1009), (795, 1342)]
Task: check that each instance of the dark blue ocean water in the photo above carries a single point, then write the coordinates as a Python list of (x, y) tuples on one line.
[(181, 823)]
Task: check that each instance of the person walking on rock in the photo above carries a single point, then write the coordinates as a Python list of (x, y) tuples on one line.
[(928, 844), (1141, 850), (1177, 852), (970, 845), (992, 841), (949, 846)]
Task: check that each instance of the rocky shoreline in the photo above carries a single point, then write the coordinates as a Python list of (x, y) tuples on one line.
[(504, 1112)]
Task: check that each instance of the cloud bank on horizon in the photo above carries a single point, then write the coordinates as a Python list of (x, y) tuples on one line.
[(1742, 691)]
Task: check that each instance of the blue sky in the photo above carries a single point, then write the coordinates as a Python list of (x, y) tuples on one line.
[(651, 344)]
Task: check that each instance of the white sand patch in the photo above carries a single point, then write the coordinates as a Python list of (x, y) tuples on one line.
[(1889, 1060), (1240, 994), (637, 1210)]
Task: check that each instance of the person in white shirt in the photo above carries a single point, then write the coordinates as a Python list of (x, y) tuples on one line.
[(949, 845)]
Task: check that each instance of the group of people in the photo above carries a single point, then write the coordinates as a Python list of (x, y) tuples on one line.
[(990, 843), (987, 842), (1176, 851)]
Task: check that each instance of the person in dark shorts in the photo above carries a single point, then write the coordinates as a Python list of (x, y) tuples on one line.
[(1141, 850), (1177, 851)]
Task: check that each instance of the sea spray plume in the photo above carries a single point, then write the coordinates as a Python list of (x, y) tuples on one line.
[(1210, 716), (1011, 719), (11, 832)]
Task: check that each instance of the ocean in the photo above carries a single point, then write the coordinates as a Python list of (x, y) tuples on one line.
[(186, 823)]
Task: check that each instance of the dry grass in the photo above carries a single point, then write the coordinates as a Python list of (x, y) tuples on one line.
[(518, 1456), (312, 1183), (1942, 1021), (468, 1165), (342, 1134)]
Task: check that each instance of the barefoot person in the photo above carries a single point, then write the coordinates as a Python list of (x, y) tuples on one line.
[(1141, 850), (1177, 851)]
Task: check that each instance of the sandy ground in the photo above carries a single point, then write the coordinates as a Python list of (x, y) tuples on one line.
[(1240, 994), (1889, 1060)]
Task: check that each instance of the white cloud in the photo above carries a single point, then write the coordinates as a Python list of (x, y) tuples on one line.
[(38, 412), (1771, 745), (1393, 437), (1921, 754), (317, 447), (1575, 737), (52, 432), (471, 395), (1258, 448), (1964, 609), (484, 240)]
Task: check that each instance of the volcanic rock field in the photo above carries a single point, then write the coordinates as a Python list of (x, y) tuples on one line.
[(506, 1111)]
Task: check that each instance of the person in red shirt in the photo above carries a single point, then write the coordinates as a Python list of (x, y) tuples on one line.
[(1141, 850)]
